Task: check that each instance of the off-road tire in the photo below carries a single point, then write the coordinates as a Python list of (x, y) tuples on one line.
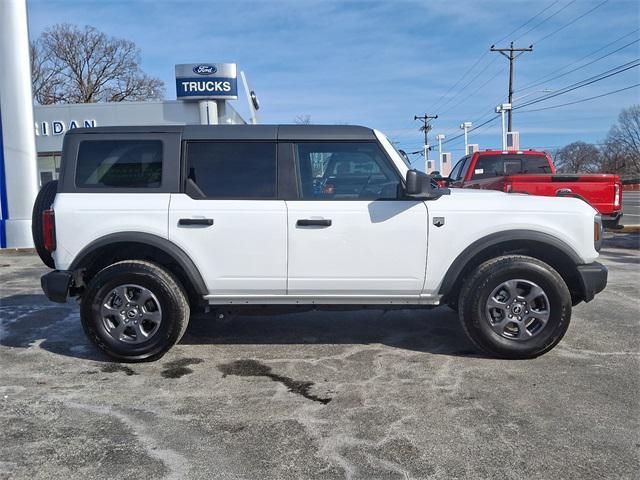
[(167, 289), (44, 200), (488, 276)]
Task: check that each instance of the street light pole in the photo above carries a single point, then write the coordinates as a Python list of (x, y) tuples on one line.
[(440, 137), (501, 109), (465, 126)]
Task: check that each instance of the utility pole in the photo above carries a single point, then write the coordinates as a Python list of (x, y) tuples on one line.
[(511, 56), (426, 127)]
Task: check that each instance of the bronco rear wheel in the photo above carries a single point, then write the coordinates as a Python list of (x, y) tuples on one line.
[(515, 307), (134, 311)]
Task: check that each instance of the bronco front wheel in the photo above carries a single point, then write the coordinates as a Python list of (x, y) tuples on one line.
[(515, 307)]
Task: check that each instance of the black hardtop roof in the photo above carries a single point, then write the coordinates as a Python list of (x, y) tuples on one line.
[(242, 132)]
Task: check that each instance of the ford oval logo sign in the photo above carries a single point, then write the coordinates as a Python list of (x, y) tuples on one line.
[(204, 69)]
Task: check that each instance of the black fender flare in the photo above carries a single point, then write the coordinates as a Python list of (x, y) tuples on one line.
[(168, 247), (477, 247)]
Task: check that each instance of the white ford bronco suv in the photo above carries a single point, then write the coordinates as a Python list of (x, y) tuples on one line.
[(147, 224)]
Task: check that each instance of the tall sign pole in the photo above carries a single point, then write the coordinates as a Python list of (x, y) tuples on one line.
[(210, 84), (510, 53), (18, 161)]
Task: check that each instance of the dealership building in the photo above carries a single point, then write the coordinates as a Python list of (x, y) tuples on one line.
[(31, 136), (52, 121)]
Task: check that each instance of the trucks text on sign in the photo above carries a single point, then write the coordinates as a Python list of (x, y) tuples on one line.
[(206, 80)]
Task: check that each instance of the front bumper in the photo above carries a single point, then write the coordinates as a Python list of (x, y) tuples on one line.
[(593, 277), (56, 285)]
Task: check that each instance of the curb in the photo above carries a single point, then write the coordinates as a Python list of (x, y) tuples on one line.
[(10, 251), (625, 229)]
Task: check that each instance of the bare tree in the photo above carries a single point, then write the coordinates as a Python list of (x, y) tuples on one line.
[(578, 157), (621, 150), (302, 119), (83, 65)]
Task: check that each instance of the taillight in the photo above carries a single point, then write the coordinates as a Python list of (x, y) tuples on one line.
[(49, 230), (616, 195)]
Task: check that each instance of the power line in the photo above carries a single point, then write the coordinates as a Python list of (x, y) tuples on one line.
[(542, 39), (438, 105), (583, 83), (527, 22), (545, 20), (468, 83), (475, 91), (435, 105), (542, 79), (582, 100), (582, 66), (570, 23), (493, 119)]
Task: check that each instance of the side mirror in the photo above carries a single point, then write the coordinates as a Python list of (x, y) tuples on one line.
[(422, 185)]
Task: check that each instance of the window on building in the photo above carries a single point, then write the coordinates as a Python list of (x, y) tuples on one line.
[(119, 164), (48, 167), (241, 170)]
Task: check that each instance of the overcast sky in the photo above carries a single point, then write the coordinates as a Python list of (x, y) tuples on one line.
[(380, 63)]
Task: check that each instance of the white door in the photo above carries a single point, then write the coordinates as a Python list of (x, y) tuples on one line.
[(229, 222), (350, 234)]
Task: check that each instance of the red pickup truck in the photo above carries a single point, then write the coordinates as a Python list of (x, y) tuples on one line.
[(533, 172)]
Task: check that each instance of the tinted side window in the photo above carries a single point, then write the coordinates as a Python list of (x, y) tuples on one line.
[(458, 171), (345, 171), (490, 166), (535, 164), (233, 169), (498, 165), (119, 163)]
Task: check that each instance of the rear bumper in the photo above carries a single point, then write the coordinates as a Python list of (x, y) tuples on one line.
[(593, 277), (56, 285), (613, 217)]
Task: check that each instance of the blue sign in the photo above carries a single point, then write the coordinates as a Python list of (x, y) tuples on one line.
[(207, 87), (205, 69)]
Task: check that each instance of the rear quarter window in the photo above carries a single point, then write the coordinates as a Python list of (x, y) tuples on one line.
[(119, 164)]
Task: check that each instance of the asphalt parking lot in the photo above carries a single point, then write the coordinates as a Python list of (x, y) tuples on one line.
[(360, 395), (630, 208)]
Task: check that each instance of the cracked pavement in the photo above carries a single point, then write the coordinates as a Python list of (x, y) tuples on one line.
[(364, 395)]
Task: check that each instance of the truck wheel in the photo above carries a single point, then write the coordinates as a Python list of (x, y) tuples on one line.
[(134, 311), (515, 307), (44, 200)]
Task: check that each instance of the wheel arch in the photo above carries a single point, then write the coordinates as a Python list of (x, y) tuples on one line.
[(542, 246), (115, 247)]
